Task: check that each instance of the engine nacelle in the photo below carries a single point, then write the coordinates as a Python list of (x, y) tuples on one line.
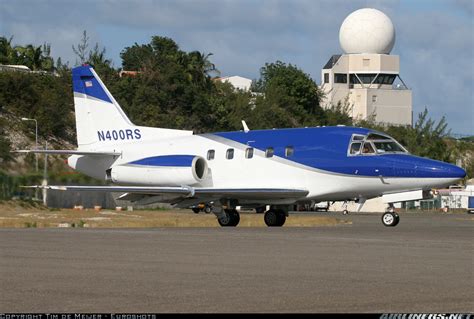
[(168, 170)]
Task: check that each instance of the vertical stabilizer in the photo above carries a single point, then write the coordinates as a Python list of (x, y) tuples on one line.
[(99, 119)]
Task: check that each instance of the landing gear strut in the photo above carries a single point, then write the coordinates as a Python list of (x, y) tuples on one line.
[(275, 217), (344, 206), (390, 218), (229, 218)]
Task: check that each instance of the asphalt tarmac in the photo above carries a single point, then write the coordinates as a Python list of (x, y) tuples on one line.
[(425, 264)]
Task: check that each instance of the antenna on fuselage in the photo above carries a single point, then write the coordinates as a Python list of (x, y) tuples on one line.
[(246, 128)]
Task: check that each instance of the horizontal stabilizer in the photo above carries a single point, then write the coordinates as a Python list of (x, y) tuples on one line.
[(68, 152)]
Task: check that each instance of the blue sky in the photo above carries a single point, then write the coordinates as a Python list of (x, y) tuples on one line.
[(435, 39)]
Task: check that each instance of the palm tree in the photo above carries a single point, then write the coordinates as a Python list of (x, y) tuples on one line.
[(7, 54), (199, 66)]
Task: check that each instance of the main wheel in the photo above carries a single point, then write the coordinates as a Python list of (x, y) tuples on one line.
[(275, 218), (230, 218), (390, 219)]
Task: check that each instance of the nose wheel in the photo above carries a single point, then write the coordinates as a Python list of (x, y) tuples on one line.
[(390, 219)]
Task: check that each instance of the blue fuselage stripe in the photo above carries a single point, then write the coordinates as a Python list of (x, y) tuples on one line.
[(166, 160)]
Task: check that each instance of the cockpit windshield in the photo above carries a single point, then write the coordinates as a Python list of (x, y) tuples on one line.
[(389, 146), (374, 144)]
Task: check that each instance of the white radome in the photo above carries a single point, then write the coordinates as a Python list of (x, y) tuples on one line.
[(367, 31)]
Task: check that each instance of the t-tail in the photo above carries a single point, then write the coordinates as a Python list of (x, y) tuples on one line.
[(100, 121)]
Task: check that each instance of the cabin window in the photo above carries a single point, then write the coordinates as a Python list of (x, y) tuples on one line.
[(289, 151), (355, 148), (269, 152), (230, 153), (210, 155), (368, 149), (249, 152)]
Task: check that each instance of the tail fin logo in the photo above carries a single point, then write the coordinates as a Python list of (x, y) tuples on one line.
[(88, 84)]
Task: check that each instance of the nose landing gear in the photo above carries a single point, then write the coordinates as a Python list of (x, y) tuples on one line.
[(390, 218)]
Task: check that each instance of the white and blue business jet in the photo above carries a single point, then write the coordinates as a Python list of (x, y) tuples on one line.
[(258, 169)]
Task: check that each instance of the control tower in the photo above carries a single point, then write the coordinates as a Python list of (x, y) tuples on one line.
[(366, 74)]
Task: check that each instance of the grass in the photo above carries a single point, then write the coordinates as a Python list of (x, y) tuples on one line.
[(13, 215)]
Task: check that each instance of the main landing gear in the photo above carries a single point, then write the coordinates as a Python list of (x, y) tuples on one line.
[(275, 217), (390, 218), (230, 217)]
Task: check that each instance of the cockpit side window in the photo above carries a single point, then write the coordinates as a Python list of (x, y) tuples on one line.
[(368, 149), (357, 137), (355, 148)]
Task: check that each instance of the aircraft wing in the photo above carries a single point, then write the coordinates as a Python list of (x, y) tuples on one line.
[(68, 152), (190, 192)]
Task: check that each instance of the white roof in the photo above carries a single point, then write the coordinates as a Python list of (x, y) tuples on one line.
[(238, 82)]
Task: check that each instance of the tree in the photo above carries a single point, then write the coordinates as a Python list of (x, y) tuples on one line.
[(290, 93), (173, 89), (7, 54), (81, 49), (5, 154)]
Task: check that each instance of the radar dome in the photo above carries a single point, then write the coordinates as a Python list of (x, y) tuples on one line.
[(367, 31)]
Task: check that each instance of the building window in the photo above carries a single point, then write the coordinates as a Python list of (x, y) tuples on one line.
[(386, 79), (269, 152), (366, 78), (289, 151), (211, 154), (340, 78), (326, 77), (230, 153), (249, 152)]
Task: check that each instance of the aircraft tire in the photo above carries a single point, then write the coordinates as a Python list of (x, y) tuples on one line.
[(196, 210), (397, 219), (275, 218), (390, 219), (231, 218)]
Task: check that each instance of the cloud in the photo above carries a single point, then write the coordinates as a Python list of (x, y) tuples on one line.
[(434, 38)]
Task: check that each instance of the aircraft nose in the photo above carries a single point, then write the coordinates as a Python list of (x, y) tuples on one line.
[(454, 171), (443, 170)]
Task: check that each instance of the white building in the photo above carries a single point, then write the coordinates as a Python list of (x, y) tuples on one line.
[(366, 74), (18, 68), (238, 82)]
